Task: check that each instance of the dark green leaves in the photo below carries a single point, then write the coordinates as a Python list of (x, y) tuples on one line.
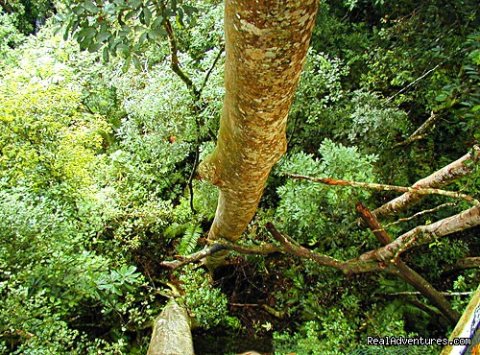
[(119, 27)]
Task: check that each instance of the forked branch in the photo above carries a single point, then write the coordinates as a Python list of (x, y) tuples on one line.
[(426, 234), (421, 131), (405, 272)]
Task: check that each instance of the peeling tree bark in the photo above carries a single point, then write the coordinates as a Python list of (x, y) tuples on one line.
[(266, 46)]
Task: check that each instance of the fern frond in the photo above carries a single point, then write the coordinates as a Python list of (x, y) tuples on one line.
[(189, 240)]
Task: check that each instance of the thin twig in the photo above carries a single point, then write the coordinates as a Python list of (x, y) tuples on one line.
[(384, 187), (415, 293), (209, 72), (421, 213), (420, 131), (413, 82)]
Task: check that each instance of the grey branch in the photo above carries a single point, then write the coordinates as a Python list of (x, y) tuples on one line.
[(421, 131), (414, 82), (416, 293), (405, 272), (421, 213), (457, 169), (426, 234)]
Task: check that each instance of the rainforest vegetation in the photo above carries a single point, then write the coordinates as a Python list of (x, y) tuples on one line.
[(110, 112)]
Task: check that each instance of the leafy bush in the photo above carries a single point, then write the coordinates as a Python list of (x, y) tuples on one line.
[(314, 213)]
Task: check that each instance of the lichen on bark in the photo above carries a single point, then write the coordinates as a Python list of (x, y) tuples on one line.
[(266, 46)]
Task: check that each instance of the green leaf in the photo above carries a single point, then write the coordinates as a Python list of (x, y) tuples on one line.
[(136, 62), (103, 34), (127, 63), (90, 7), (87, 33), (106, 54), (94, 46), (147, 15)]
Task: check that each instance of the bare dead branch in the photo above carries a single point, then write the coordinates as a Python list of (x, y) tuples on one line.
[(465, 263), (457, 169), (217, 246), (415, 293), (421, 213), (209, 72), (421, 131), (414, 82), (384, 187), (175, 264), (405, 272), (426, 234)]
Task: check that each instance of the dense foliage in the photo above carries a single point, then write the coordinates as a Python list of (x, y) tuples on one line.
[(96, 159)]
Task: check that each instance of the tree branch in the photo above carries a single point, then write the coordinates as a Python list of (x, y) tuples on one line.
[(413, 82), (444, 176), (421, 213), (175, 264), (465, 263), (384, 187), (353, 266), (209, 72), (175, 64), (420, 131), (426, 234), (405, 272), (287, 246), (217, 246), (415, 293)]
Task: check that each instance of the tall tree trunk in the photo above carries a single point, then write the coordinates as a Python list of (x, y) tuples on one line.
[(266, 46)]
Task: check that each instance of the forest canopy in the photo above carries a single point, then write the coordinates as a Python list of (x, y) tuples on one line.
[(366, 227)]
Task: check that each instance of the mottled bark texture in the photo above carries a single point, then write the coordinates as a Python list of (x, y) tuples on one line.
[(266, 46), (171, 332)]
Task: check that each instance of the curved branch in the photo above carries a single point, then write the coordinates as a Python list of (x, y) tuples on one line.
[(421, 213), (207, 76), (175, 64)]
